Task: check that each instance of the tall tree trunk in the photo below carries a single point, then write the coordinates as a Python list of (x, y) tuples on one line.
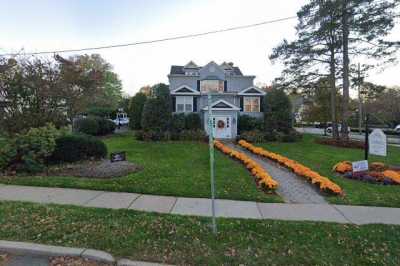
[(332, 81), (346, 62)]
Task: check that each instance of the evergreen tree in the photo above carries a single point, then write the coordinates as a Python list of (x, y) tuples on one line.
[(135, 110), (157, 111), (277, 112)]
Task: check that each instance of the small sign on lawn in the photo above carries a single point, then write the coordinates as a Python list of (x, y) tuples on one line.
[(118, 156), (377, 143), (360, 166)]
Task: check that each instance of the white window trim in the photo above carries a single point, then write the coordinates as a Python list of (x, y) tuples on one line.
[(251, 98), (185, 98)]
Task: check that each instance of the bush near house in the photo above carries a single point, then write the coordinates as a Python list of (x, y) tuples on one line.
[(95, 126), (248, 123), (135, 110), (27, 152), (158, 122), (192, 121), (73, 148), (277, 112)]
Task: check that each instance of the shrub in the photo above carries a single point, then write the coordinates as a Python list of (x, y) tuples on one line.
[(106, 126), (95, 126), (193, 135), (252, 136), (157, 112), (178, 123), (27, 152), (185, 135), (192, 121), (248, 123), (341, 143), (73, 148), (89, 126), (277, 112), (135, 110), (103, 112)]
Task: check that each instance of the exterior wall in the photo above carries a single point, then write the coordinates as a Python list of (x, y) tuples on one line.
[(236, 84), (177, 81)]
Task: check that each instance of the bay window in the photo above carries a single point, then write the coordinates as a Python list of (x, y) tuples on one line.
[(184, 104), (251, 104)]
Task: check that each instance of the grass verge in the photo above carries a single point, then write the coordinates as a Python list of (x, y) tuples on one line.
[(188, 241), (322, 158), (170, 168)]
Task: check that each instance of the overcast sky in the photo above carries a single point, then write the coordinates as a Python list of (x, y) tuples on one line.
[(65, 24)]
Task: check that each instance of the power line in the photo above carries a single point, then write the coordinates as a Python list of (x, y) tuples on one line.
[(194, 35)]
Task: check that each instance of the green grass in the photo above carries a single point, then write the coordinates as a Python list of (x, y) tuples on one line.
[(188, 241), (170, 168), (322, 158)]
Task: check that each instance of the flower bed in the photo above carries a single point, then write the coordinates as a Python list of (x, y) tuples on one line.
[(322, 182), (378, 173), (263, 179)]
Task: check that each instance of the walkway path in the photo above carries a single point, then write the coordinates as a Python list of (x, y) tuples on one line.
[(201, 206), (292, 188)]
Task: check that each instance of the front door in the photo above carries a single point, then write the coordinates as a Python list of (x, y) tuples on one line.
[(222, 127)]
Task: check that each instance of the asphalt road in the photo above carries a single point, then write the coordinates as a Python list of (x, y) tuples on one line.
[(353, 135)]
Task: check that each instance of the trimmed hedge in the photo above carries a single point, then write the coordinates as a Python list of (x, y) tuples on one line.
[(73, 148), (187, 135), (260, 136), (95, 126), (248, 123)]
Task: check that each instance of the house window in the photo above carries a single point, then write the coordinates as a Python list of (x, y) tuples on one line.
[(211, 85), (184, 104), (251, 104)]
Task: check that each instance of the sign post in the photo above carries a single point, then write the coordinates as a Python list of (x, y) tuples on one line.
[(211, 144), (377, 143)]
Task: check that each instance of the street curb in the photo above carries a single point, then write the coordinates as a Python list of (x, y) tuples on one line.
[(23, 248)]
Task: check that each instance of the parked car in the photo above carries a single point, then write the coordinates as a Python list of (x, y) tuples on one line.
[(397, 129), (330, 129), (122, 119)]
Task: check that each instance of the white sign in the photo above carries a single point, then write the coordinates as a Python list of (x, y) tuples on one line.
[(377, 143), (360, 166)]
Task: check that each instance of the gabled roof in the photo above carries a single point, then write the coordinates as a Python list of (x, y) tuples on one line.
[(185, 90), (180, 70), (191, 64), (252, 91), (222, 105)]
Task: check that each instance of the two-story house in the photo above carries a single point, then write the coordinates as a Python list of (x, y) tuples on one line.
[(234, 94)]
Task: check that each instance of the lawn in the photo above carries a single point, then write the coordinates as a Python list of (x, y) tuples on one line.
[(188, 241), (322, 158), (170, 168)]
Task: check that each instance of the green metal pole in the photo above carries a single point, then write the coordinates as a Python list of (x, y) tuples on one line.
[(211, 144)]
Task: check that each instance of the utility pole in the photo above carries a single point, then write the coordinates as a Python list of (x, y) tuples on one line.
[(366, 145), (211, 144), (359, 101)]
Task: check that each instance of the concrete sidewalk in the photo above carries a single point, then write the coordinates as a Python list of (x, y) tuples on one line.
[(201, 206)]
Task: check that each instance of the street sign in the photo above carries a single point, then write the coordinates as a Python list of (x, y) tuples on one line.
[(377, 143), (360, 166)]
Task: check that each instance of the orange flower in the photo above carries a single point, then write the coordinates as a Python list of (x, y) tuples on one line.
[(265, 180), (323, 182), (393, 175), (343, 167)]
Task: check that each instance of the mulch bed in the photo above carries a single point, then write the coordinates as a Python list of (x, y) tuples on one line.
[(4, 257), (95, 169), (341, 143)]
